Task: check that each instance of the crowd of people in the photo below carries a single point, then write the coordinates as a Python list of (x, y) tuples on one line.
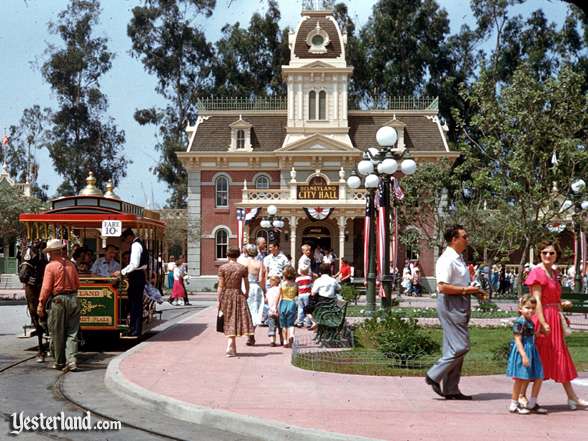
[(539, 351), (261, 286)]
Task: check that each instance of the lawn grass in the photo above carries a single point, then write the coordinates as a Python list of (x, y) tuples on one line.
[(481, 360)]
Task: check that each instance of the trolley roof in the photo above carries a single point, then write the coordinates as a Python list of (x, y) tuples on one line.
[(90, 211)]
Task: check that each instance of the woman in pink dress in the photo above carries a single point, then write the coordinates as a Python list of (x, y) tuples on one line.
[(557, 362)]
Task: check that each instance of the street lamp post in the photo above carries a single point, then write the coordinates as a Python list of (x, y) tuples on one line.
[(579, 205), (379, 166), (272, 223)]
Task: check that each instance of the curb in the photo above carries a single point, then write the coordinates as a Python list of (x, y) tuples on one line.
[(212, 418)]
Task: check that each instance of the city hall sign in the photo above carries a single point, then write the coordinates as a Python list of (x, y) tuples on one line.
[(318, 188)]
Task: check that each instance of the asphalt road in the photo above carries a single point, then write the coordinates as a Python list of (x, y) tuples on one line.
[(34, 388)]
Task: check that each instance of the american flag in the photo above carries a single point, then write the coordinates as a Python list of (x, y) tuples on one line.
[(397, 189), (244, 217), (240, 226)]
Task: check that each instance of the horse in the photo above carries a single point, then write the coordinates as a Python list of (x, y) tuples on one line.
[(30, 273)]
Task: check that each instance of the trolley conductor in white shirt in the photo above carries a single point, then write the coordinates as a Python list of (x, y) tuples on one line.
[(135, 272), (453, 307)]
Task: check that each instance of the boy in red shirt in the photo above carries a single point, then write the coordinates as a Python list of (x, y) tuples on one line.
[(304, 283)]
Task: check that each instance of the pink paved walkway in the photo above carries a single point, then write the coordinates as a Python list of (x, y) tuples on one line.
[(187, 363)]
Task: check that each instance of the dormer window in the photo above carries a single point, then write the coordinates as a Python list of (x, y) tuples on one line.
[(240, 139), (241, 136), (317, 107), (317, 40)]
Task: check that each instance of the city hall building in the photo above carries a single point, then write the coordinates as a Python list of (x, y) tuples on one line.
[(296, 153)]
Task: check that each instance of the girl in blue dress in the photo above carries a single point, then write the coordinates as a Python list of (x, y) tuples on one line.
[(524, 363)]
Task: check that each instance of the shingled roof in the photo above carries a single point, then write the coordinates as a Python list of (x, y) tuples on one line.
[(334, 48), (268, 132), (420, 133)]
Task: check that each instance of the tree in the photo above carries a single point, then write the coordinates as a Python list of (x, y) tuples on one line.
[(12, 204), (178, 54), (403, 42), (81, 137), (513, 135), (249, 62), (425, 203), (26, 137)]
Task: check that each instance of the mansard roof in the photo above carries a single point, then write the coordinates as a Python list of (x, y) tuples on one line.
[(268, 131), (334, 48)]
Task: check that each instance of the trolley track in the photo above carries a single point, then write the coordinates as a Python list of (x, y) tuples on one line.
[(61, 399)]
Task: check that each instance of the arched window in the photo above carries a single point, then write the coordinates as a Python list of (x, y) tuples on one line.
[(262, 182), (322, 105), (264, 234), (221, 187), (240, 139), (221, 240), (312, 105)]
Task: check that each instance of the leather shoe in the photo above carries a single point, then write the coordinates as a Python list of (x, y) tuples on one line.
[(459, 396), (434, 385)]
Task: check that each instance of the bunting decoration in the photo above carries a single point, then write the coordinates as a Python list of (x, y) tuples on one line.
[(318, 214)]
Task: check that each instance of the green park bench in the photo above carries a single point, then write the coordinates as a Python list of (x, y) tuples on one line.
[(579, 301), (330, 320)]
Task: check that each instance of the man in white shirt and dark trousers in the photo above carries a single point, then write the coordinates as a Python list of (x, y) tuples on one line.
[(135, 272), (453, 308)]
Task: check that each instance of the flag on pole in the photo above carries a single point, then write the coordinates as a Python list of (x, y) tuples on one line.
[(583, 253), (380, 231), (366, 236), (240, 226), (5, 140), (397, 189)]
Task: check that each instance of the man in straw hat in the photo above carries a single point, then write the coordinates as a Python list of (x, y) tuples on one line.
[(60, 284)]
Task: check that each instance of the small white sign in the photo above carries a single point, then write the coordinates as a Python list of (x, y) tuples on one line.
[(111, 228)]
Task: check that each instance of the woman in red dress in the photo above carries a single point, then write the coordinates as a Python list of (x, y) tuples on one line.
[(557, 362)]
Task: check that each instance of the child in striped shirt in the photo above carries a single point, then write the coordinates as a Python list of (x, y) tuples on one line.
[(304, 283)]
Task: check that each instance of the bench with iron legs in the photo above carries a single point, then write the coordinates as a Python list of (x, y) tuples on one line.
[(330, 320)]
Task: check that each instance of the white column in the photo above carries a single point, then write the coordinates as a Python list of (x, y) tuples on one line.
[(293, 225), (194, 223), (341, 221)]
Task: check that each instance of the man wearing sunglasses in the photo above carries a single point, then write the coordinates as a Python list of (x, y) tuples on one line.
[(453, 307)]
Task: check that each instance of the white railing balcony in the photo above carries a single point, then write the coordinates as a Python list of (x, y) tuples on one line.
[(277, 194)]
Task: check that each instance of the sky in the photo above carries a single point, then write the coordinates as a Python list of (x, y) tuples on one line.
[(24, 38)]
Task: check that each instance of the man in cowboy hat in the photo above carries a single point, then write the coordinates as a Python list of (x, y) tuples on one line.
[(60, 284)]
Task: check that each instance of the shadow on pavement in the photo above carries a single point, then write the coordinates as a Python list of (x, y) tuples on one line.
[(491, 396), (257, 354), (181, 332)]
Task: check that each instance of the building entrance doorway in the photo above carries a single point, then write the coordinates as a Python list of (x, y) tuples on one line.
[(317, 236)]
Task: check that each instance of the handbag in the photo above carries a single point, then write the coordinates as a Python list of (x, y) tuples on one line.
[(220, 322), (565, 326)]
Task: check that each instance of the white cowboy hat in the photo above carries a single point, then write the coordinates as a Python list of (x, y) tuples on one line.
[(54, 245)]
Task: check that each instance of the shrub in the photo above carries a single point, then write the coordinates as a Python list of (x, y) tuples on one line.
[(487, 307), (398, 338), (349, 293), (501, 352)]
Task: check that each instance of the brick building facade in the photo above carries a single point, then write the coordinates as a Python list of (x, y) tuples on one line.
[(253, 154)]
